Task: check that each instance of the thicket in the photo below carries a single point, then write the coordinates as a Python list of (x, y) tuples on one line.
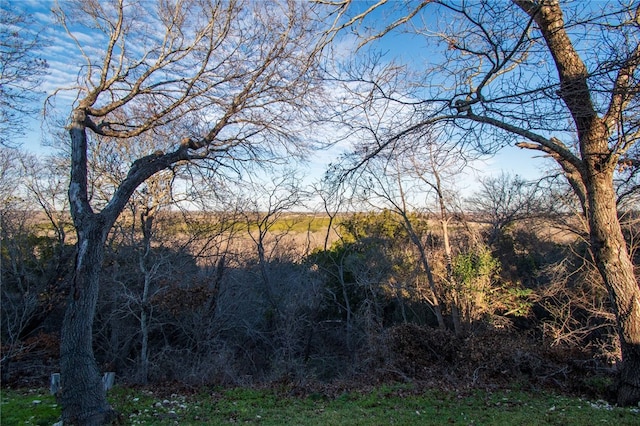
[(203, 303)]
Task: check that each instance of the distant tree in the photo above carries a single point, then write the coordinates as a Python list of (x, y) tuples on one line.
[(46, 181), (385, 184), (21, 71), (502, 201), (34, 255)]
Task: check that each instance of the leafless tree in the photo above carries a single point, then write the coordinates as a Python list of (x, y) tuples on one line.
[(529, 73), (19, 300), (35, 254), (223, 82), (503, 200), (21, 70), (46, 180), (262, 207), (155, 195), (384, 181), (435, 166), (331, 198)]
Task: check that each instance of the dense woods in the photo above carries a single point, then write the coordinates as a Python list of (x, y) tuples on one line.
[(228, 297), (175, 235)]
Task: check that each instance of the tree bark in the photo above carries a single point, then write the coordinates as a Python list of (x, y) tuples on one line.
[(453, 285), (84, 399), (83, 396), (614, 263), (147, 270), (596, 169), (435, 299)]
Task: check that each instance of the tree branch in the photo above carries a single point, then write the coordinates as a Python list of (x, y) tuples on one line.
[(553, 145)]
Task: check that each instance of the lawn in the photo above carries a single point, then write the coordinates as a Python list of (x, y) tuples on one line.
[(388, 405)]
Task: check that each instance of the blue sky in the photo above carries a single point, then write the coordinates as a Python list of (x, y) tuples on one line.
[(64, 62)]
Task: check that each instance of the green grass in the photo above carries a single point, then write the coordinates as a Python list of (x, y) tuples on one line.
[(28, 407), (397, 405)]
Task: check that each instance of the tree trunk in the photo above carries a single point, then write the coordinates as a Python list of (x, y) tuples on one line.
[(146, 221), (83, 396), (596, 166), (435, 299), (453, 285), (144, 348), (612, 258), (451, 279)]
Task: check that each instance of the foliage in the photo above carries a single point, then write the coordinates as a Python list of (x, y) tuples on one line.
[(474, 268), (482, 291), (372, 264), (380, 225)]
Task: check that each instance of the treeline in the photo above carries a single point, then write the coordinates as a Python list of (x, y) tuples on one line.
[(243, 297)]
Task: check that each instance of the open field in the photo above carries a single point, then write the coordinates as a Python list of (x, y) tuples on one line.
[(397, 405)]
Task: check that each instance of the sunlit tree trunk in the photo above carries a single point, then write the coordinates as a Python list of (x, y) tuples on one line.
[(434, 300), (596, 165), (453, 287), (612, 259)]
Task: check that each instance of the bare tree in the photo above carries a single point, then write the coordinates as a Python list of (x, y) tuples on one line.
[(19, 294), (434, 166), (46, 181), (331, 197), (529, 70), (21, 71), (503, 200), (155, 195), (386, 182), (262, 208), (223, 82), (35, 254)]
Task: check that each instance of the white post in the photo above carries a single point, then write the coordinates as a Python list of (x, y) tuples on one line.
[(55, 387), (108, 380)]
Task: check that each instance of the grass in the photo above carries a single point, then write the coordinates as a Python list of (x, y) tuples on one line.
[(28, 407), (397, 405)]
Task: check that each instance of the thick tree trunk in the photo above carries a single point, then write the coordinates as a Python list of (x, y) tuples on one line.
[(612, 258), (596, 167), (83, 397), (84, 400)]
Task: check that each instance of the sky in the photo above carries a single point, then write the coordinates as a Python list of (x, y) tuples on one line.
[(64, 61)]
